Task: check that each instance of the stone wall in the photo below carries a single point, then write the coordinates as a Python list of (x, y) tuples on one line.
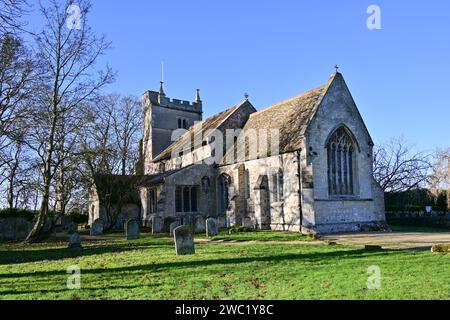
[(14, 229), (365, 209), (285, 215)]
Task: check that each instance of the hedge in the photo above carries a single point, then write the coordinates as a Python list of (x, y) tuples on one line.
[(17, 213)]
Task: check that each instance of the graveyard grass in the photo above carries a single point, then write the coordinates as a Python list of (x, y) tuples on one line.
[(149, 269)]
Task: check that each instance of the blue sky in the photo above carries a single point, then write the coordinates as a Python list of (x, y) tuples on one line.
[(399, 75)]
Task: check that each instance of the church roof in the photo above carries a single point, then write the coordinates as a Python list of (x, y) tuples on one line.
[(291, 117), (199, 128)]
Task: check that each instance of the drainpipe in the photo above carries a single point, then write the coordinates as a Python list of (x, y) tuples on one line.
[(300, 187)]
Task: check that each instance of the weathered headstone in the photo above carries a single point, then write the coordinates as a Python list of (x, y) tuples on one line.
[(247, 222), (156, 225), (132, 229), (200, 224), (97, 228), (211, 227), (184, 241), (75, 248), (222, 222), (66, 222), (173, 226), (72, 228)]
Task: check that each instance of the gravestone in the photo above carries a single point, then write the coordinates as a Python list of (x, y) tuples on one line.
[(188, 221), (247, 223), (97, 228), (184, 241), (199, 225), (132, 229), (222, 222), (211, 227), (72, 228), (75, 248), (66, 222), (157, 225), (173, 226)]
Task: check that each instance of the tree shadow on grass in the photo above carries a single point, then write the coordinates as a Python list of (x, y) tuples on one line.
[(167, 266), (10, 257), (47, 291)]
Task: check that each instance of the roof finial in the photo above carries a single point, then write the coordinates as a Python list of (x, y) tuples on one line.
[(161, 89), (337, 68), (246, 96), (197, 96)]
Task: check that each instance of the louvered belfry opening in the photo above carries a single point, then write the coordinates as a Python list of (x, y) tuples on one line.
[(341, 163)]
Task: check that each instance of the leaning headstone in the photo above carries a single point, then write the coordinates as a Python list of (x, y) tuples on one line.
[(157, 225), (211, 227), (173, 226), (75, 248), (132, 229), (97, 228), (184, 241)]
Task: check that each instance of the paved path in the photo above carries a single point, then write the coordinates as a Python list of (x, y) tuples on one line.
[(401, 240)]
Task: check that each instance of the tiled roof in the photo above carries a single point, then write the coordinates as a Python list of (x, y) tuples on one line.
[(209, 124), (291, 117)]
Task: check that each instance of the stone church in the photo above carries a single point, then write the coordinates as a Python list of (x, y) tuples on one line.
[(303, 165)]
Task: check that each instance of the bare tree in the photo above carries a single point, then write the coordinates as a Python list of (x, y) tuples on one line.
[(127, 125), (110, 150), (69, 53), (10, 13), (16, 79), (398, 168), (440, 177)]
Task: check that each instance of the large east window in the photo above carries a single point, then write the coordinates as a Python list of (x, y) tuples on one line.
[(341, 163), (186, 199)]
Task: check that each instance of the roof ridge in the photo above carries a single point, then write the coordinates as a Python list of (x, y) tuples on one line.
[(323, 87), (291, 99)]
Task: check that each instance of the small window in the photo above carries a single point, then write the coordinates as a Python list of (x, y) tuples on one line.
[(278, 186), (180, 124), (275, 187), (247, 185), (193, 199), (186, 200), (152, 201), (185, 126), (178, 199)]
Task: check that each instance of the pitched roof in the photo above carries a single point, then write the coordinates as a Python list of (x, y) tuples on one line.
[(200, 128), (291, 117)]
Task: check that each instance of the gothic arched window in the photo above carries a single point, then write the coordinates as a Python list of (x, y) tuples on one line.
[(341, 163)]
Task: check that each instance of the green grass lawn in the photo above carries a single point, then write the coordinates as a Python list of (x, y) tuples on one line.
[(260, 236), (149, 269)]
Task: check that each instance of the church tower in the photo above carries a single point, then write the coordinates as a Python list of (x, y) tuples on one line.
[(161, 116)]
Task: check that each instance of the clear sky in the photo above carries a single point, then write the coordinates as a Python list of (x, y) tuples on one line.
[(399, 75)]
